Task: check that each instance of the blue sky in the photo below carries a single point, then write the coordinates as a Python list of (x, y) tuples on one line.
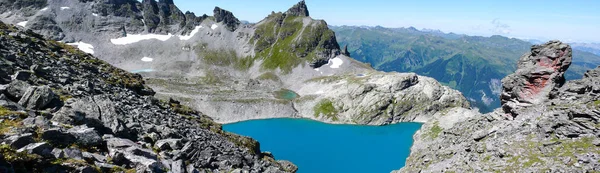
[(572, 21)]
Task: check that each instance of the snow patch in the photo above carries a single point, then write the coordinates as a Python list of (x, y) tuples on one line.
[(214, 26), (187, 37), (23, 23), (147, 59), (320, 92), (142, 71), (133, 38), (85, 47), (94, 14), (65, 8), (316, 69), (44, 9), (336, 62)]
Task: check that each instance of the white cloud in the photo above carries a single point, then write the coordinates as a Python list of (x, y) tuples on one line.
[(499, 27)]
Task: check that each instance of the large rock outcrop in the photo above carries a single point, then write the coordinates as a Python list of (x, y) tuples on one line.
[(539, 73), (227, 17), (556, 130), (76, 113), (299, 9)]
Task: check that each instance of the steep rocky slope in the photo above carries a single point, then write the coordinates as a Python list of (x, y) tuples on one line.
[(287, 65), (63, 110), (545, 124)]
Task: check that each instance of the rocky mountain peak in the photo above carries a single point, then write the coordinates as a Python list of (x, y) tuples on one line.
[(299, 9), (539, 73), (227, 17)]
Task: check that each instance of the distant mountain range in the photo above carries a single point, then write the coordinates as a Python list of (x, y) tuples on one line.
[(588, 47), (472, 64)]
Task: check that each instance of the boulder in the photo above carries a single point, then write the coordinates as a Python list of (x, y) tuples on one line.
[(58, 153), (19, 141), (57, 137), (94, 157), (288, 166), (38, 121), (178, 166), (37, 97), (22, 75), (16, 89), (168, 144), (539, 73), (73, 153), (85, 136), (42, 149)]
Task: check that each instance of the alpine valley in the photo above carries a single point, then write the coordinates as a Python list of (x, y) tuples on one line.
[(140, 86), (474, 65)]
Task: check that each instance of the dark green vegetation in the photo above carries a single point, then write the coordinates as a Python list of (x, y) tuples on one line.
[(471, 64), (285, 41), (224, 57), (325, 108)]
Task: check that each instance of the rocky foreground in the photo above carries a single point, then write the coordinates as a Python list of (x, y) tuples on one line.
[(64, 110), (545, 124)]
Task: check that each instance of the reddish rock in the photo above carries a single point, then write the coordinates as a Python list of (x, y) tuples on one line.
[(539, 73)]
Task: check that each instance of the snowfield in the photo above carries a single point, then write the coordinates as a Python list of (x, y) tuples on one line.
[(336, 62), (187, 37), (23, 23), (85, 47), (147, 59), (134, 38)]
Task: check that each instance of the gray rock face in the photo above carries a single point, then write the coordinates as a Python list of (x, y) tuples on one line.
[(85, 136), (37, 97), (539, 72), (41, 148), (19, 141), (555, 131), (299, 9), (227, 17), (57, 137), (16, 89)]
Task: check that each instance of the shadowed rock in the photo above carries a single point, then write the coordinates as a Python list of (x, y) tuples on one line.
[(539, 73), (230, 21), (299, 9)]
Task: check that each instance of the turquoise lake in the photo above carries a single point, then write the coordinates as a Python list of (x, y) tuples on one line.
[(319, 147)]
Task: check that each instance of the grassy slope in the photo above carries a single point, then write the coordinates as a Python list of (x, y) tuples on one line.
[(283, 43), (466, 63)]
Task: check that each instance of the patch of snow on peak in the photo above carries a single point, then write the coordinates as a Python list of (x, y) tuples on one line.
[(316, 69), (214, 26), (147, 59), (187, 37), (133, 38), (44, 9), (65, 8), (94, 14), (85, 47), (336, 62), (23, 23), (320, 92)]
